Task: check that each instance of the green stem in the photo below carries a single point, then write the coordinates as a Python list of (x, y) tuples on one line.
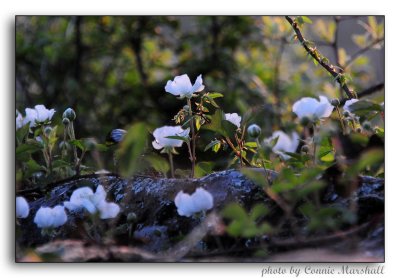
[(76, 159), (171, 162), (193, 137)]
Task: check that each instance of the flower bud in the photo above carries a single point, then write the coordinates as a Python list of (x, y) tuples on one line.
[(69, 113), (186, 108), (64, 145), (65, 121), (358, 129), (254, 130), (47, 131), (305, 121), (131, 217), (305, 149), (367, 125), (335, 102), (346, 114)]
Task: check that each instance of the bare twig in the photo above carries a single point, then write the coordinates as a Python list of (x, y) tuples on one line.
[(366, 92), (362, 51), (312, 51)]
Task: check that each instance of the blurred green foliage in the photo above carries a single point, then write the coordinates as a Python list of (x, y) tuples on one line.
[(112, 69)]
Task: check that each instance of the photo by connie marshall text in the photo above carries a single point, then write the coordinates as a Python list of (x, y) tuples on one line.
[(321, 270)]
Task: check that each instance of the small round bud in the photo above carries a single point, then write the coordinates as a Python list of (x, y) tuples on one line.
[(305, 149), (69, 113), (335, 102), (358, 129), (47, 131), (367, 125), (64, 145), (305, 121), (65, 121), (254, 130), (131, 217), (346, 114)]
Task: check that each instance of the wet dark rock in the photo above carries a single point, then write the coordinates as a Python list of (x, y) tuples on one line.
[(156, 225), (151, 199)]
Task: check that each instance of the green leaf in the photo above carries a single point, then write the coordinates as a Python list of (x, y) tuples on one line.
[(78, 143), (32, 167), (258, 211), (131, 149), (234, 211), (203, 168), (59, 163), (255, 175), (251, 144), (197, 120), (215, 95), (24, 150), (306, 19), (216, 123), (364, 107), (212, 144), (21, 133), (158, 163)]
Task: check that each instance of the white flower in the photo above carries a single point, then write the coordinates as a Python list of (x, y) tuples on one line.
[(200, 200), (50, 217), (38, 115), (284, 144), (347, 105), (84, 198), (234, 118), (108, 210), (22, 207), (161, 133), (181, 86), (19, 120), (312, 108)]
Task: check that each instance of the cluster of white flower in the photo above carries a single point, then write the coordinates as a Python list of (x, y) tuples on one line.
[(39, 114), (84, 198), (81, 198), (48, 218), (200, 200)]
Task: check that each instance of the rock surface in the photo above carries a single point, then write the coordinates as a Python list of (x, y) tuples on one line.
[(156, 226)]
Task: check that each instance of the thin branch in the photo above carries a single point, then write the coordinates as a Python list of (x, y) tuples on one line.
[(362, 51), (366, 92), (312, 51)]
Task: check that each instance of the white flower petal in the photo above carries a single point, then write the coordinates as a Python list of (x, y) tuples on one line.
[(348, 103), (324, 108), (50, 217), (108, 210), (184, 204), (161, 141), (19, 120), (22, 207), (305, 107), (234, 118), (181, 86), (30, 117), (198, 85), (284, 144), (202, 200)]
